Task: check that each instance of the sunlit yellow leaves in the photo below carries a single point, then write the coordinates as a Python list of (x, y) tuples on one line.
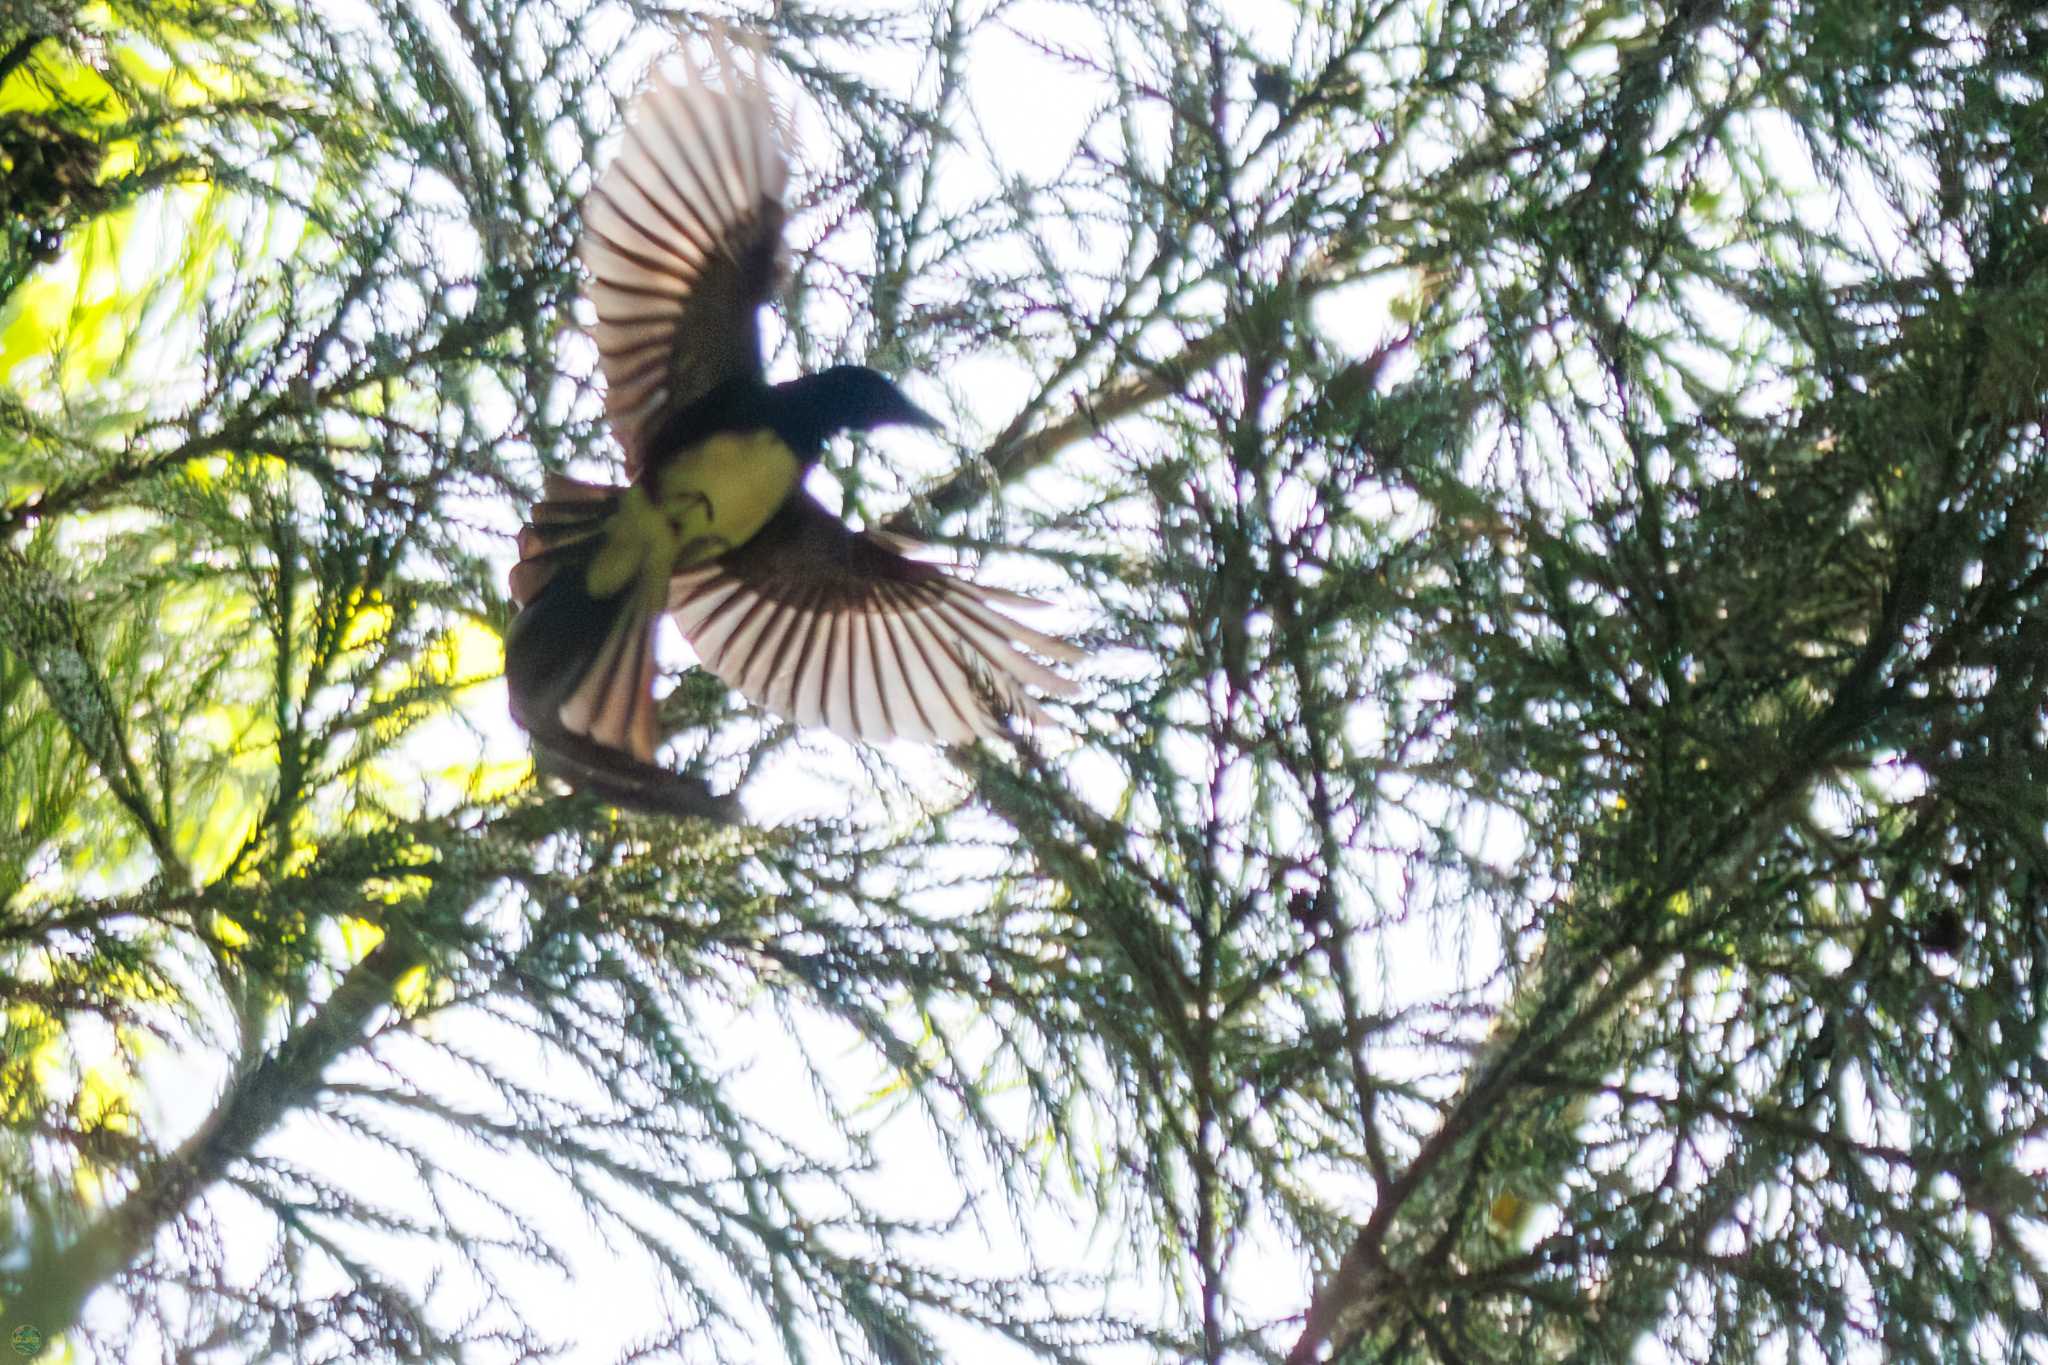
[(34, 316), (100, 321), (468, 653), (187, 83), (418, 989), (368, 624), (129, 984), (229, 933), (89, 312), (421, 687), (396, 890), (409, 992), (217, 607), (462, 656), (105, 1099), (358, 937), (53, 79), (85, 318), (487, 782), (119, 157), (208, 838), (31, 1061)]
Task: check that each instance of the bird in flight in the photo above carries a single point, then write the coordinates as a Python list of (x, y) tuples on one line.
[(828, 626)]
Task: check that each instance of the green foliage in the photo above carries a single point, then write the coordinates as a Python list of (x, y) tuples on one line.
[(1551, 865)]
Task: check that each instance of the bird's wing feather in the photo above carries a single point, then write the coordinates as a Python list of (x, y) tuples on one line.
[(577, 663), (831, 627), (682, 236)]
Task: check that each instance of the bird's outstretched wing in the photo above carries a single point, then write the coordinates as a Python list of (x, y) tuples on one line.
[(682, 236), (829, 626)]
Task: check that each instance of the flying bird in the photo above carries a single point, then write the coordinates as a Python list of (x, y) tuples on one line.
[(817, 622)]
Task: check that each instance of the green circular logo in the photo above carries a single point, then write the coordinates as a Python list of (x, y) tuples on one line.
[(27, 1341)]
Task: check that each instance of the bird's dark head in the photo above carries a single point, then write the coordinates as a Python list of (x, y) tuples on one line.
[(841, 398)]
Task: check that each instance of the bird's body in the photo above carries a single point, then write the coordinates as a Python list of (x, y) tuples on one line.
[(779, 597), (707, 492)]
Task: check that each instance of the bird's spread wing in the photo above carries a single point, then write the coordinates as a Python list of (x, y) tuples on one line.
[(829, 626), (682, 235), (579, 664)]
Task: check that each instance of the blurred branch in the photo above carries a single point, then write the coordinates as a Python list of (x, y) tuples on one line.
[(41, 626), (57, 1280), (1020, 449)]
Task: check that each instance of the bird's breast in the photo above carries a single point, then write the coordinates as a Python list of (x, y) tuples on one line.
[(718, 493), (706, 499)]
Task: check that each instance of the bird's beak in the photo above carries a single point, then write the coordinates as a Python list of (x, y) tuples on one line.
[(918, 417)]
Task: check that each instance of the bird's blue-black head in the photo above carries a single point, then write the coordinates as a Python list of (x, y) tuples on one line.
[(805, 412)]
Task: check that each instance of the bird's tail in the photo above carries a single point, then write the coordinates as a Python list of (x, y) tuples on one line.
[(579, 665)]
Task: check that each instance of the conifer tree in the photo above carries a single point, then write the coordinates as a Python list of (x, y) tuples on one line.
[(1550, 863)]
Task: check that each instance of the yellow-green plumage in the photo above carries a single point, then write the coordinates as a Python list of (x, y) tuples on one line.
[(724, 489), (708, 499)]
